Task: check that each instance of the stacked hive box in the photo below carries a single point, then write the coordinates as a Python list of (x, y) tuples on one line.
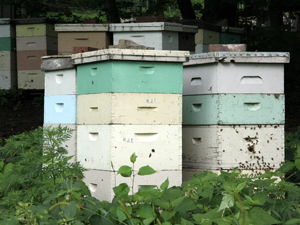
[(230, 35), (129, 101), (35, 38), (60, 96), (233, 111), (160, 35), (82, 35), (8, 69), (206, 34)]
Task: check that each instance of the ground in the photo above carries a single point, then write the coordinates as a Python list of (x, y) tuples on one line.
[(26, 113)]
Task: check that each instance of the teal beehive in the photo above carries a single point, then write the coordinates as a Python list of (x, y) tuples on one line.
[(130, 71), (230, 109)]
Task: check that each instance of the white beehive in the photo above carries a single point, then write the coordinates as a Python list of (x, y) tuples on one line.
[(6, 28), (158, 146), (101, 183), (235, 72), (71, 144), (8, 61), (60, 82), (226, 147), (160, 35), (8, 80), (129, 108)]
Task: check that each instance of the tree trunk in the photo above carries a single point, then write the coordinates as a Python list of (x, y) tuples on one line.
[(275, 13), (186, 9), (111, 11)]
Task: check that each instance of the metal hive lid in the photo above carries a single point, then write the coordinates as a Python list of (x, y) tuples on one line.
[(131, 55), (239, 57)]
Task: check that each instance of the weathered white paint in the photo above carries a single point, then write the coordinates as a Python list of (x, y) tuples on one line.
[(71, 144), (101, 183), (31, 79), (217, 78), (8, 61), (60, 82), (129, 108), (80, 27), (37, 43), (8, 80), (154, 26), (165, 40), (158, 146), (201, 48), (129, 54), (226, 147), (7, 30)]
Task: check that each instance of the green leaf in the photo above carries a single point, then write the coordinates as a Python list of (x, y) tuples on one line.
[(146, 211), (146, 170), (121, 190), (297, 163), (292, 221), (287, 167), (210, 215), (125, 171), (70, 210), (240, 187), (186, 205), (121, 214), (186, 222), (259, 216), (165, 184), (227, 201), (177, 201), (8, 167), (148, 220), (167, 215), (133, 158)]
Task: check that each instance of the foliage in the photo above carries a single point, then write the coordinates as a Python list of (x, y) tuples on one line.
[(39, 186), (11, 98)]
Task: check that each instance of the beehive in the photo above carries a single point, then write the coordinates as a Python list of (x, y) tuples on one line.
[(235, 72), (233, 109), (158, 146), (249, 147), (82, 35), (101, 183), (160, 35), (60, 109), (129, 108), (129, 71), (71, 144)]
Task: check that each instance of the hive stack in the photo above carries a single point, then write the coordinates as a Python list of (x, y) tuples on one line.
[(8, 68), (35, 38), (233, 111), (60, 101), (160, 35), (129, 101), (82, 35), (230, 35)]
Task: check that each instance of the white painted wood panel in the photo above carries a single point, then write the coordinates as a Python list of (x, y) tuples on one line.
[(60, 82), (227, 147), (129, 108), (101, 183), (158, 146), (217, 78), (71, 144)]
